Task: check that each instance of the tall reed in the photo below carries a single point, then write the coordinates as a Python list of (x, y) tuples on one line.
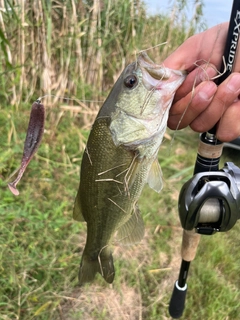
[(77, 48)]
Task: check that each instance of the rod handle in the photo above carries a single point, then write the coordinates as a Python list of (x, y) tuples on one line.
[(190, 241), (177, 302)]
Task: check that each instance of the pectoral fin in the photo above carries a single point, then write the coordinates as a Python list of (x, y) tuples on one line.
[(133, 172), (77, 210), (133, 230), (155, 177)]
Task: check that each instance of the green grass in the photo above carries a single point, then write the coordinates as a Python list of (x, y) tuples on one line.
[(40, 244)]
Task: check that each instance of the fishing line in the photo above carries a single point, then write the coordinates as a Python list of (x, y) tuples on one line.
[(219, 75), (200, 66), (66, 98), (150, 93), (157, 45), (207, 63)]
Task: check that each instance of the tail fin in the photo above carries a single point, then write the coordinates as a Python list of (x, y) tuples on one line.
[(102, 264)]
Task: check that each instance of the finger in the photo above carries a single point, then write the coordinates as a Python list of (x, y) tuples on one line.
[(202, 73), (207, 45), (229, 125), (179, 58), (225, 96), (184, 111)]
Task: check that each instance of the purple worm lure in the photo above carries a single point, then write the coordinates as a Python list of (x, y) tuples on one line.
[(32, 141)]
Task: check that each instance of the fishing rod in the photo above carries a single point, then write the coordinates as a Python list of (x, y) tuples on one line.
[(210, 201)]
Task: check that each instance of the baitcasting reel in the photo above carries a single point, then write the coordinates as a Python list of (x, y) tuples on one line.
[(210, 201)]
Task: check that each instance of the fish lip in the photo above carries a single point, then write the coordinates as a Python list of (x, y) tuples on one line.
[(155, 70), (158, 73), (163, 73)]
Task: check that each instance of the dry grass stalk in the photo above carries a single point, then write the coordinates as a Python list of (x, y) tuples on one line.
[(76, 48)]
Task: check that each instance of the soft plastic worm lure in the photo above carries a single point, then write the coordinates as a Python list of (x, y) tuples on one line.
[(32, 141)]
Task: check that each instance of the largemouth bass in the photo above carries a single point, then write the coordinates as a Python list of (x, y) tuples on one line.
[(120, 158)]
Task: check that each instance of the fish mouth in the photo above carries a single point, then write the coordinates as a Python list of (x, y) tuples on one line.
[(157, 76)]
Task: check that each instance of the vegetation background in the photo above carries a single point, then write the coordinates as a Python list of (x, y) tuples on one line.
[(76, 49)]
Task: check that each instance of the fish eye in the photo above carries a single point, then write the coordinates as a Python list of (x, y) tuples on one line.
[(130, 81)]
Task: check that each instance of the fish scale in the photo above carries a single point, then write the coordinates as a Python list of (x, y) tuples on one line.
[(113, 212), (95, 186), (120, 158)]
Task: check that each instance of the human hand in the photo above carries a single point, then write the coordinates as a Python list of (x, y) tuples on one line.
[(199, 103)]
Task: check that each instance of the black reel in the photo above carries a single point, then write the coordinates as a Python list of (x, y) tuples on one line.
[(210, 201)]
